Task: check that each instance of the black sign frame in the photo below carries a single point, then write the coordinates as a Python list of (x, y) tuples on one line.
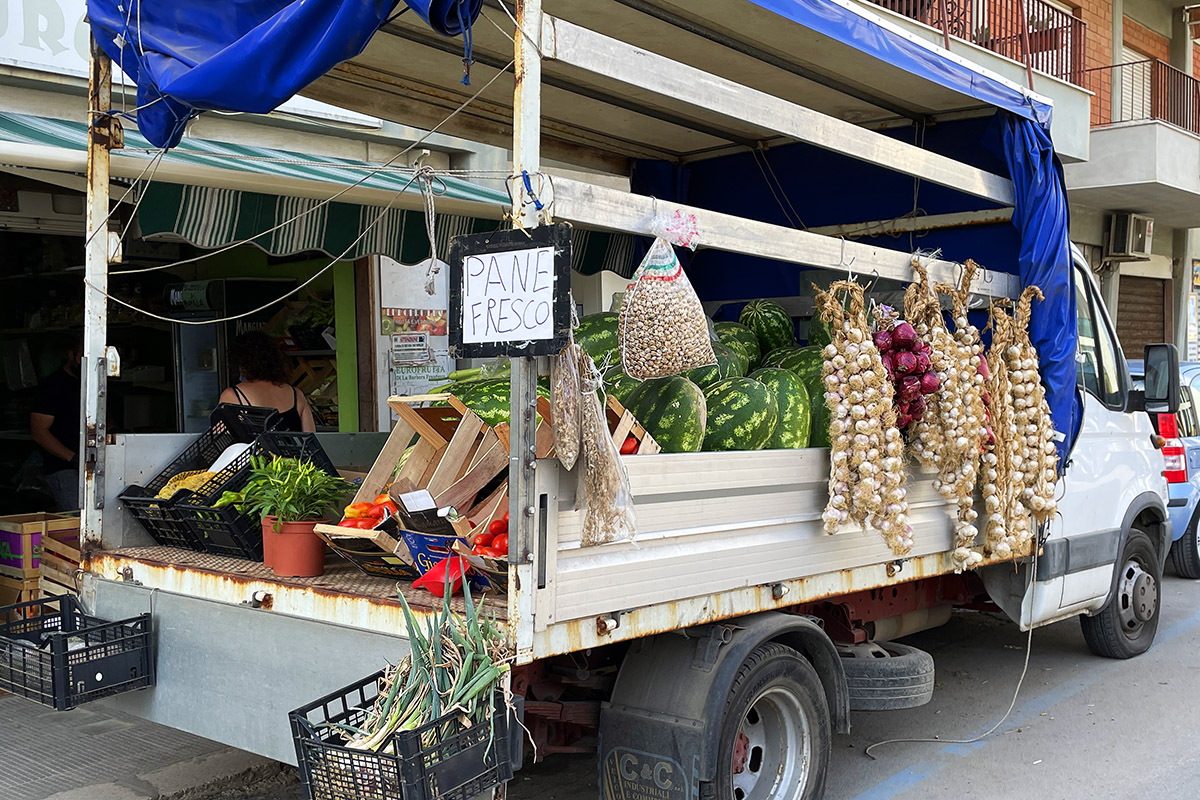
[(557, 236)]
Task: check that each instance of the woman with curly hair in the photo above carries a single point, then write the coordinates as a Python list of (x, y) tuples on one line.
[(264, 382)]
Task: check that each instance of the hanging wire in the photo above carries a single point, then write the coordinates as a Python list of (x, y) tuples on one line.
[(371, 173), (383, 212), (764, 166)]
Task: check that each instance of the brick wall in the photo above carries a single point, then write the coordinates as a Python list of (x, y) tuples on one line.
[(1146, 41), (1098, 14)]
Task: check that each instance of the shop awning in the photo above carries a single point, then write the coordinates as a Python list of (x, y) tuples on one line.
[(211, 194)]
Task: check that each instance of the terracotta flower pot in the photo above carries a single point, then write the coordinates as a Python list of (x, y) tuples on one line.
[(293, 551)]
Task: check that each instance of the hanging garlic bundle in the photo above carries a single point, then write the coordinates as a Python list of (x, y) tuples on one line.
[(1022, 466), (950, 435), (866, 471)]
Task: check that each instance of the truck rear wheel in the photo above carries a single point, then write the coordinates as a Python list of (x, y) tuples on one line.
[(775, 731), (1125, 627), (1185, 552)]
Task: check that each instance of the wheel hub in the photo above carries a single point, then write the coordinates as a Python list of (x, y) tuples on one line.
[(772, 752), (741, 752), (1138, 596)]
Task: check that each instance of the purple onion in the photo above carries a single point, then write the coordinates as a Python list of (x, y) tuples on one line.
[(883, 340), (922, 346), (983, 367), (906, 362), (987, 399), (930, 382), (923, 362), (917, 407), (903, 420), (903, 336), (991, 438), (910, 388)]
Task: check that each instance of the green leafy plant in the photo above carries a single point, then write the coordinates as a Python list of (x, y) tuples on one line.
[(289, 490)]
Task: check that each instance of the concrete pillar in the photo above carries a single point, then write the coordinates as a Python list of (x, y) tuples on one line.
[(1181, 42), (1181, 274)]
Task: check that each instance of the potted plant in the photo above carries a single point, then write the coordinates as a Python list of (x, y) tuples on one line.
[(292, 497)]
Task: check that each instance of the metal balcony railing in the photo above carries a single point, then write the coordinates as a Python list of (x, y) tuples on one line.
[(1041, 36), (1144, 90)]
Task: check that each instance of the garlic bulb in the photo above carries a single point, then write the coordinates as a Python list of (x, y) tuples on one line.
[(950, 435), (863, 486)]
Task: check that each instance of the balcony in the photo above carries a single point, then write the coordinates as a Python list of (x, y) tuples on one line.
[(1028, 42), (1145, 143), (1037, 34)]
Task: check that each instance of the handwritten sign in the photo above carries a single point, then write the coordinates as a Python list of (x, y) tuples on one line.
[(508, 296), (510, 292)]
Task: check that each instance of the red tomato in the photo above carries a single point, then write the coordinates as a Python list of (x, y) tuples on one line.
[(506, 518), (501, 543), (381, 510), (630, 446), (497, 526), (484, 539), (491, 552), (348, 523), (366, 524)]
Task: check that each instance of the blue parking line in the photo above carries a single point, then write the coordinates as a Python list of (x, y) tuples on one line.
[(1024, 714)]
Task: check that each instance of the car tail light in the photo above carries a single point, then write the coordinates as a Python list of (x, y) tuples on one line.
[(1167, 426), (1176, 464)]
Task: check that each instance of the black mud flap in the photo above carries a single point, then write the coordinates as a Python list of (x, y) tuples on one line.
[(645, 765)]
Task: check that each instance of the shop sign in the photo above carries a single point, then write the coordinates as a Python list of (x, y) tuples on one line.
[(510, 292)]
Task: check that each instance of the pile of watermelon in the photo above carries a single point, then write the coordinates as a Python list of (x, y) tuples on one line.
[(758, 396)]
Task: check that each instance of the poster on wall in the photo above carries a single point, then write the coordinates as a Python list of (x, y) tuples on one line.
[(1193, 329), (413, 346)]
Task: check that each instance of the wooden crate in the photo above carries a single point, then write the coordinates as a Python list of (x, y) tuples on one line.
[(60, 561), (22, 538), (622, 424), (18, 590)]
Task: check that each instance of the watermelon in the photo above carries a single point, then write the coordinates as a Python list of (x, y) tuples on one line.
[(806, 364), (597, 335), (791, 399), (489, 399), (735, 333), (620, 385), (673, 411), (819, 334), (771, 324), (729, 365), (738, 349), (741, 415), (776, 356)]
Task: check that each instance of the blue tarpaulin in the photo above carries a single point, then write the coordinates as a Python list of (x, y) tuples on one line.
[(188, 56)]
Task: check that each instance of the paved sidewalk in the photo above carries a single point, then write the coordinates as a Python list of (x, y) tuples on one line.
[(97, 753)]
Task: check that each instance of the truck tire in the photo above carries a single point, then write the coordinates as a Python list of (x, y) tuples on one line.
[(1126, 626), (885, 676), (775, 732), (1185, 552)]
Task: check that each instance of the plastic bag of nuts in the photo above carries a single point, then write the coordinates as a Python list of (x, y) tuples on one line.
[(607, 499), (661, 325), (565, 404)]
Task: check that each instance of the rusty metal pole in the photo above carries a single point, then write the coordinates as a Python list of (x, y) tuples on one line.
[(1023, 21), (523, 511), (103, 132)]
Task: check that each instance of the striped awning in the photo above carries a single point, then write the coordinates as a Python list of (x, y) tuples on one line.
[(213, 194)]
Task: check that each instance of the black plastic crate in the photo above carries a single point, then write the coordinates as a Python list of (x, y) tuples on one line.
[(225, 531), (52, 652), (456, 761), (230, 425)]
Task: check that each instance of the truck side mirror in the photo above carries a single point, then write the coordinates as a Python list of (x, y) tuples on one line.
[(1162, 379)]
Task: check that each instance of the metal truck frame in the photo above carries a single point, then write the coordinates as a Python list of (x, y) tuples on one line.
[(730, 569)]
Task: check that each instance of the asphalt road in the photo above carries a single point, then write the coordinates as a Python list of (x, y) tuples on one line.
[(1082, 727)]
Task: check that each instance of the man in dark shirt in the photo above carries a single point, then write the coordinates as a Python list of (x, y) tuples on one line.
[(55, 426)]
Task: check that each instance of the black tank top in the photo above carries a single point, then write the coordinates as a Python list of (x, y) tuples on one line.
[(288, 420)]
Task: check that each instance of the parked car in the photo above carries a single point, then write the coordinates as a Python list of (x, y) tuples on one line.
[(1182, 453)]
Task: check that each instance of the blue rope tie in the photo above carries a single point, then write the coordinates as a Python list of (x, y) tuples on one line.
[(468, 56)]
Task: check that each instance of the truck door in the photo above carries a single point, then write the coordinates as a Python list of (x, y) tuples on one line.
[(1102, 474)]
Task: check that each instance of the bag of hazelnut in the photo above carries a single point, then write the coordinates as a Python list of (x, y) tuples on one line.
[(661, 327)]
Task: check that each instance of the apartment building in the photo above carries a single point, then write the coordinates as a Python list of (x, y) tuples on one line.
[(1124, 78)]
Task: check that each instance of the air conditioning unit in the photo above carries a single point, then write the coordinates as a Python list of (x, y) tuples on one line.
[(1130, 236)]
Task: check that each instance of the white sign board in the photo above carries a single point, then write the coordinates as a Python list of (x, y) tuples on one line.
[(413, 346), (509, 296)]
